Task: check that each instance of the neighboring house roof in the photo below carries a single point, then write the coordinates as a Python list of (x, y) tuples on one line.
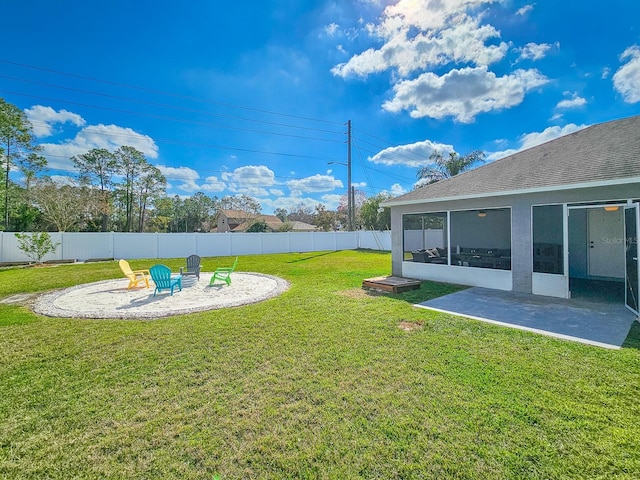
[(603, 154), (238, 215), (273, 222), (297, 226)]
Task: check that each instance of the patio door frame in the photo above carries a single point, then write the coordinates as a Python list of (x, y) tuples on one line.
[(568, 208), (632, 264)]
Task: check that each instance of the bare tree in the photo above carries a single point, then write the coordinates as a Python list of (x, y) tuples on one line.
[(65, 207)]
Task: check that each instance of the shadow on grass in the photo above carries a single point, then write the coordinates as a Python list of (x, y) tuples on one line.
[(311, 255), (633, 338)]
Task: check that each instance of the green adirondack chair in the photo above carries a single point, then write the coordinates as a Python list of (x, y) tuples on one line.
[(223, 273), (161, 275)]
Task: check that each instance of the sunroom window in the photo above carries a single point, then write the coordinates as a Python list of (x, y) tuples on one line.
[(425, 237), (481, 238), (548, 239)]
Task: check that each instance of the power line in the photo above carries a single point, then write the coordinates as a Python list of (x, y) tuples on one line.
[(205, 145), (166, 105), (198, 171), (161, 117), (161, 92)]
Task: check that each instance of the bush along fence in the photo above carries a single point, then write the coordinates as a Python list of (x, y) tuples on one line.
[(72, 246)]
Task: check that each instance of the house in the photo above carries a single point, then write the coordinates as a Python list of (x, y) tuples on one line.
[(547, 221), (239, 221), (228, 220)]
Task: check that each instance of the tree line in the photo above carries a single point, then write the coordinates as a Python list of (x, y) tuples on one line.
[(121, 191)]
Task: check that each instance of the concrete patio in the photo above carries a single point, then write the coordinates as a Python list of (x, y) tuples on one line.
[(602, 324)]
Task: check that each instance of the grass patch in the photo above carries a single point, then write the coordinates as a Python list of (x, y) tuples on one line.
[(319, 382)]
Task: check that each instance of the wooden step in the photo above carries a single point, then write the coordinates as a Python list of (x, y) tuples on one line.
[(391, 284)]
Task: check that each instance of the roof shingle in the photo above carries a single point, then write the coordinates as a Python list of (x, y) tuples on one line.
[(604, 152)]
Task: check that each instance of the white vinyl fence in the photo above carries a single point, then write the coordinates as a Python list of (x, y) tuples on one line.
[(86, 246), (421, 239)]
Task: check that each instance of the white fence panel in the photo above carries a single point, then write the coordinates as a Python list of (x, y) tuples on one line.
[(135, 245), (375, 240), (302, 242), (214, 244), (275, 242), (427, 238), (176, 244), (86, 245), (246, 243), (322, 241)]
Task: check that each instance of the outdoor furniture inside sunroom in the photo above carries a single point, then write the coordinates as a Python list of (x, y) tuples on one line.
[(430, 255)]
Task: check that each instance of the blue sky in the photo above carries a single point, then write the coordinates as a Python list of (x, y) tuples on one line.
[(253, 97)]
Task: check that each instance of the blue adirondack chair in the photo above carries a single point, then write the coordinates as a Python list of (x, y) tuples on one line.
[(223, 273), (161, 275)]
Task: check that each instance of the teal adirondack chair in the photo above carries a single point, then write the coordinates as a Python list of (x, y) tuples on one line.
[(161, 275), (223, 273)]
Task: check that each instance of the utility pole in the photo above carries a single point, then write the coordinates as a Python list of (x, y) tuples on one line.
[(350, 215), (353, 207)]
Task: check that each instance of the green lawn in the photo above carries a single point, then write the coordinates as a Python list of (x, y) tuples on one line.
[(317, 383)]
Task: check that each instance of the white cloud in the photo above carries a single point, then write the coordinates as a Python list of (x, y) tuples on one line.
[(626, 80), (315, 183), (213, 184), (188, 179), (331, 201), (288, 203), (277, 192), (462, 43), (331, 29), (397, 190), (534, 51), (110, 137), (533, 139), (426, 14), (574, 102), (524, 10), (44, 118), (606, 71), (252, 180), (62, 180), (186, 175), (412, 155), (462, 93), (416, 37)]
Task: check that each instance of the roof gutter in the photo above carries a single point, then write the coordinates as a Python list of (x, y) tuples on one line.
[(572, 186)]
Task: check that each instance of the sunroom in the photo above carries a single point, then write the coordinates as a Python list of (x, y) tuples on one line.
[(557, 220)]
